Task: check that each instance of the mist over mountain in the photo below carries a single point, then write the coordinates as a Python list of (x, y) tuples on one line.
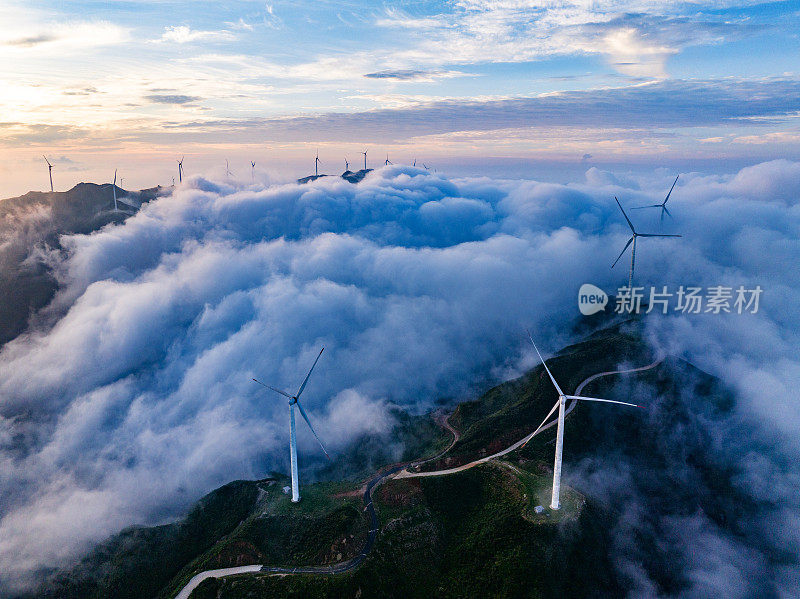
[(135, 399), (31, 227)]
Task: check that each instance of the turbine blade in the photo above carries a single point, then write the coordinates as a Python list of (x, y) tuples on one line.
[(624, 403), (274, 389), (630, 224), (552, 378), (303, 386), (657, 235), (550, 413), (622, 252), (670, 190), (648, 206), (308, 422), (665, 209)]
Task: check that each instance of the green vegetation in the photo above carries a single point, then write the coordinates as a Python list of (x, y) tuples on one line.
[(462, 535)]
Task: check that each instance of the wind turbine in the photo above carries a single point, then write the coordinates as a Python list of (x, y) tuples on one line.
[(316, 165), (180, 171), (632, 240), (365, 159), (662, 205), (253, 171), (561, 405), (114, 189), (388, 162), (228, 172), (294, 401), (346, 164), (415, 162), (49, 171)]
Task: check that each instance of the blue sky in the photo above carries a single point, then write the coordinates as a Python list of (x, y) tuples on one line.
[(133, 85)]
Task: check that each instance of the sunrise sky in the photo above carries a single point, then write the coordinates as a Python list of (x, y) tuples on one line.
[(509, 88)]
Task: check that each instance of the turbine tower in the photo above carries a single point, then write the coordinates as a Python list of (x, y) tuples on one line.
[(228, 172), (632, 240), (561, 405), (365, 159), (294, 401), (253, 171), (114, 189), (662, 205), (180, 171), (316, 165), (346, 164), (49, 171)]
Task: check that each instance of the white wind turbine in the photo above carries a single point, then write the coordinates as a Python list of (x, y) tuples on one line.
[(228, 172), (180, 171), (662, 205), (294, 401), (316, 164), (365, 159), (632, 240), (49, 171), (114, 188), (388, 162), (561, 405), (253, 171)]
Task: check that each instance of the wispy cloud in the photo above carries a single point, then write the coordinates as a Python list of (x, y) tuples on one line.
[(414, 75), (183, 34), (170, 99)]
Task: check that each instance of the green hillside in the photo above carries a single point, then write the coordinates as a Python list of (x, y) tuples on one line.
[(447, 535)]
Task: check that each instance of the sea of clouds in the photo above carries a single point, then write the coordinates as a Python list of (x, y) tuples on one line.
[(133, 397)]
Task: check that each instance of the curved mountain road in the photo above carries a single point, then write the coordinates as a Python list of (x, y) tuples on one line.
[(399, 471)]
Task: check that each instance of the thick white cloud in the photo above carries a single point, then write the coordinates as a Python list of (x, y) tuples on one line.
[(138, 399)]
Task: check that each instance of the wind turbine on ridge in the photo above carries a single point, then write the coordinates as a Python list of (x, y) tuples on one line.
[(49, 171), (316, 165), (346, 164), (180, 171), (561, 405), (114, 189), (294, 401), (365, 159), (632, 240), (662, 205)]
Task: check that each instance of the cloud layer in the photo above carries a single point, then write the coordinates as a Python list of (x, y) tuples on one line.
[(138, 399)]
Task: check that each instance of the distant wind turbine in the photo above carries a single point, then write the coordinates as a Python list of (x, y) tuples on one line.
[(49, 171), (365, 159), (294, 401), (180, 171), (415, 162), (632, 240), (316, 165), (561, 405), (662, 205), (228, 172), (346, 164), (388, 162), (114, 189), (253, 171)]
